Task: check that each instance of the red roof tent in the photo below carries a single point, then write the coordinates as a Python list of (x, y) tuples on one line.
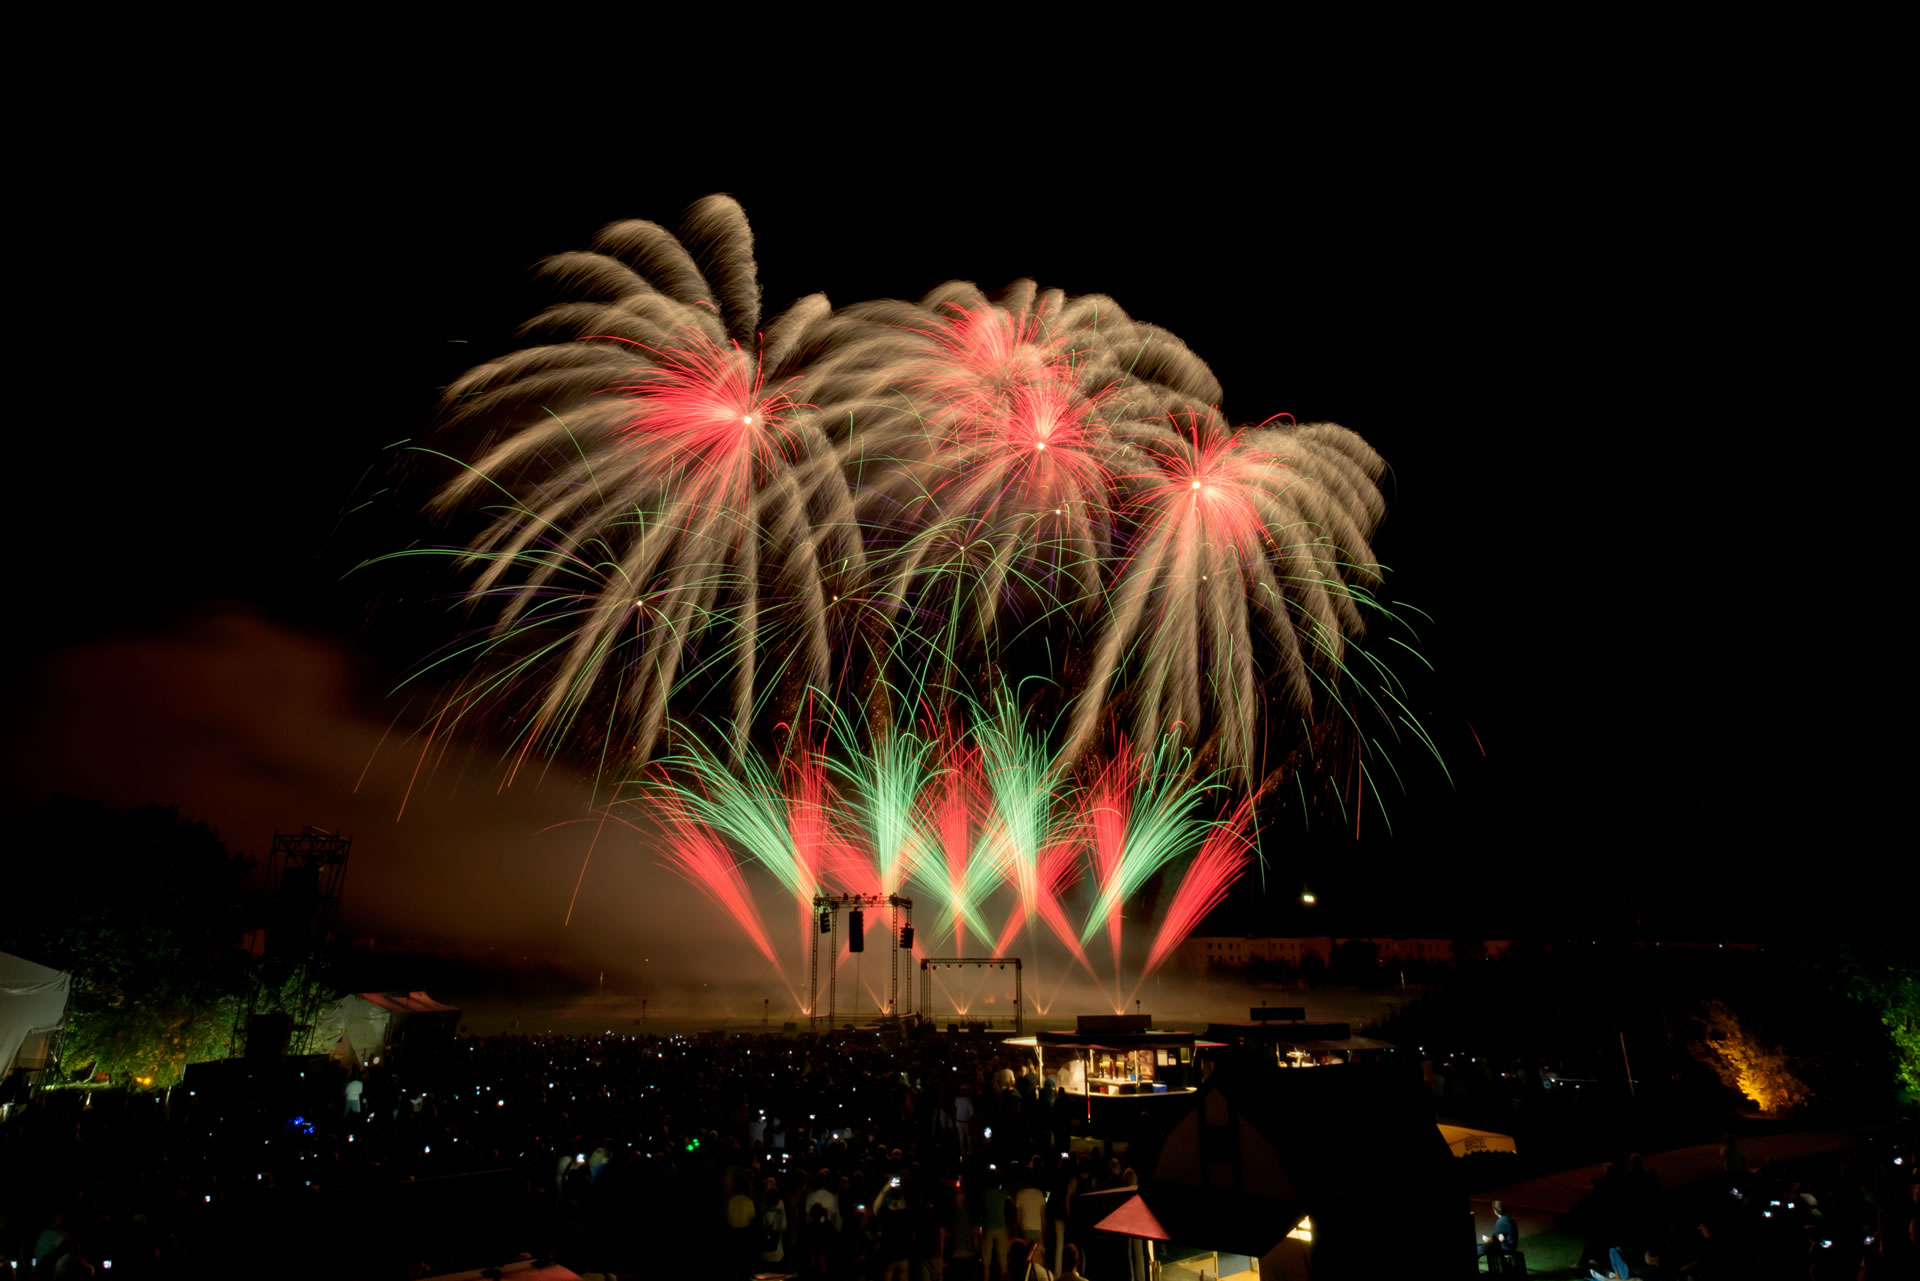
[(1210, 1219), (1265, 1145), (411, 1003), (519, 1270), (1135, 1219)]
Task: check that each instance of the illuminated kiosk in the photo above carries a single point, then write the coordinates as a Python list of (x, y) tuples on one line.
[(1122, 1056)]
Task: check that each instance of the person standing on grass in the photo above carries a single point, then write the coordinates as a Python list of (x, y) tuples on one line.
[(1505, 1237)]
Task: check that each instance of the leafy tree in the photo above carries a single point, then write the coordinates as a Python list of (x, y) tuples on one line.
[(1763, 1074), (145, 910), (1892, 991)]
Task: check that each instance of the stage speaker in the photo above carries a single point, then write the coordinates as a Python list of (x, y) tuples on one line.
[(267, 1034), (856, 931), (906, 937)]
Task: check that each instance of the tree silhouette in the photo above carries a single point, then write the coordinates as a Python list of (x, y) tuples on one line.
[(145, 910)]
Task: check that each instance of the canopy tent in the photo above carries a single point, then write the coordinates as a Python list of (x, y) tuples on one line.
[(358, 1028), (1267, 1148), (409, 1003), (33, 1004), (352, 1029), (1223, 1220), (1465, 1142), (520, 1270)]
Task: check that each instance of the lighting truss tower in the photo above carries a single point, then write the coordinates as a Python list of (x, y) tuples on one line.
[(826, 911), (931, 963), (306, 873)]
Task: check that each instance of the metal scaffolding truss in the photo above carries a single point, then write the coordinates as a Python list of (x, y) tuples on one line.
[(306, 874), (826, 910), (931, 963)]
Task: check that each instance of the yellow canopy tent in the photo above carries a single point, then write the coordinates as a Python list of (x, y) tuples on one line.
[(1465, 1142)]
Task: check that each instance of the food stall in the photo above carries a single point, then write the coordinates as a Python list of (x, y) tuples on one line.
[(1121, 1055)]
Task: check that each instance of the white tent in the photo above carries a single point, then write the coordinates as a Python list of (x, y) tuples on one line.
[(353, 1030), (33, 1003)]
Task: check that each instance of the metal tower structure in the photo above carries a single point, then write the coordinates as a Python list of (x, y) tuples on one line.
[(931, 963), (306, 874), (826, 915)]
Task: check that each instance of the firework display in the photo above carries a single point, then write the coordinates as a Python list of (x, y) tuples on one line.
[(710, 550), (692, 512), (993, 829)]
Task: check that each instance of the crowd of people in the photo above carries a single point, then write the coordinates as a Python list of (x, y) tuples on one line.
[(1846, 1216), (927, 1158), (938, 1157)]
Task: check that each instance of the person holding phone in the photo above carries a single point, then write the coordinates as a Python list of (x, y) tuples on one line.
[(896, 1232)]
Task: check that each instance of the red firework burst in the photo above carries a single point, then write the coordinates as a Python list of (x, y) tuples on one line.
[(1043, 443), (1210, 487), (704, 410), (981, 354)]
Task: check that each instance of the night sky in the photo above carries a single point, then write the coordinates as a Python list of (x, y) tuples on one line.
[(1531, 352)]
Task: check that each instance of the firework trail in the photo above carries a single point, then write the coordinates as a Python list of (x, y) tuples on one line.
[(781, 817), (1021, 780), (1163, 820), (704, 860), (818, 848), (1137, 816), (950, 809), (1221, 861), (683, 513), (1104, 810), (887, 776), (1055, 870)]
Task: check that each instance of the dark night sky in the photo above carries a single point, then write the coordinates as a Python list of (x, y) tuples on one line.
[(1523, 334)]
